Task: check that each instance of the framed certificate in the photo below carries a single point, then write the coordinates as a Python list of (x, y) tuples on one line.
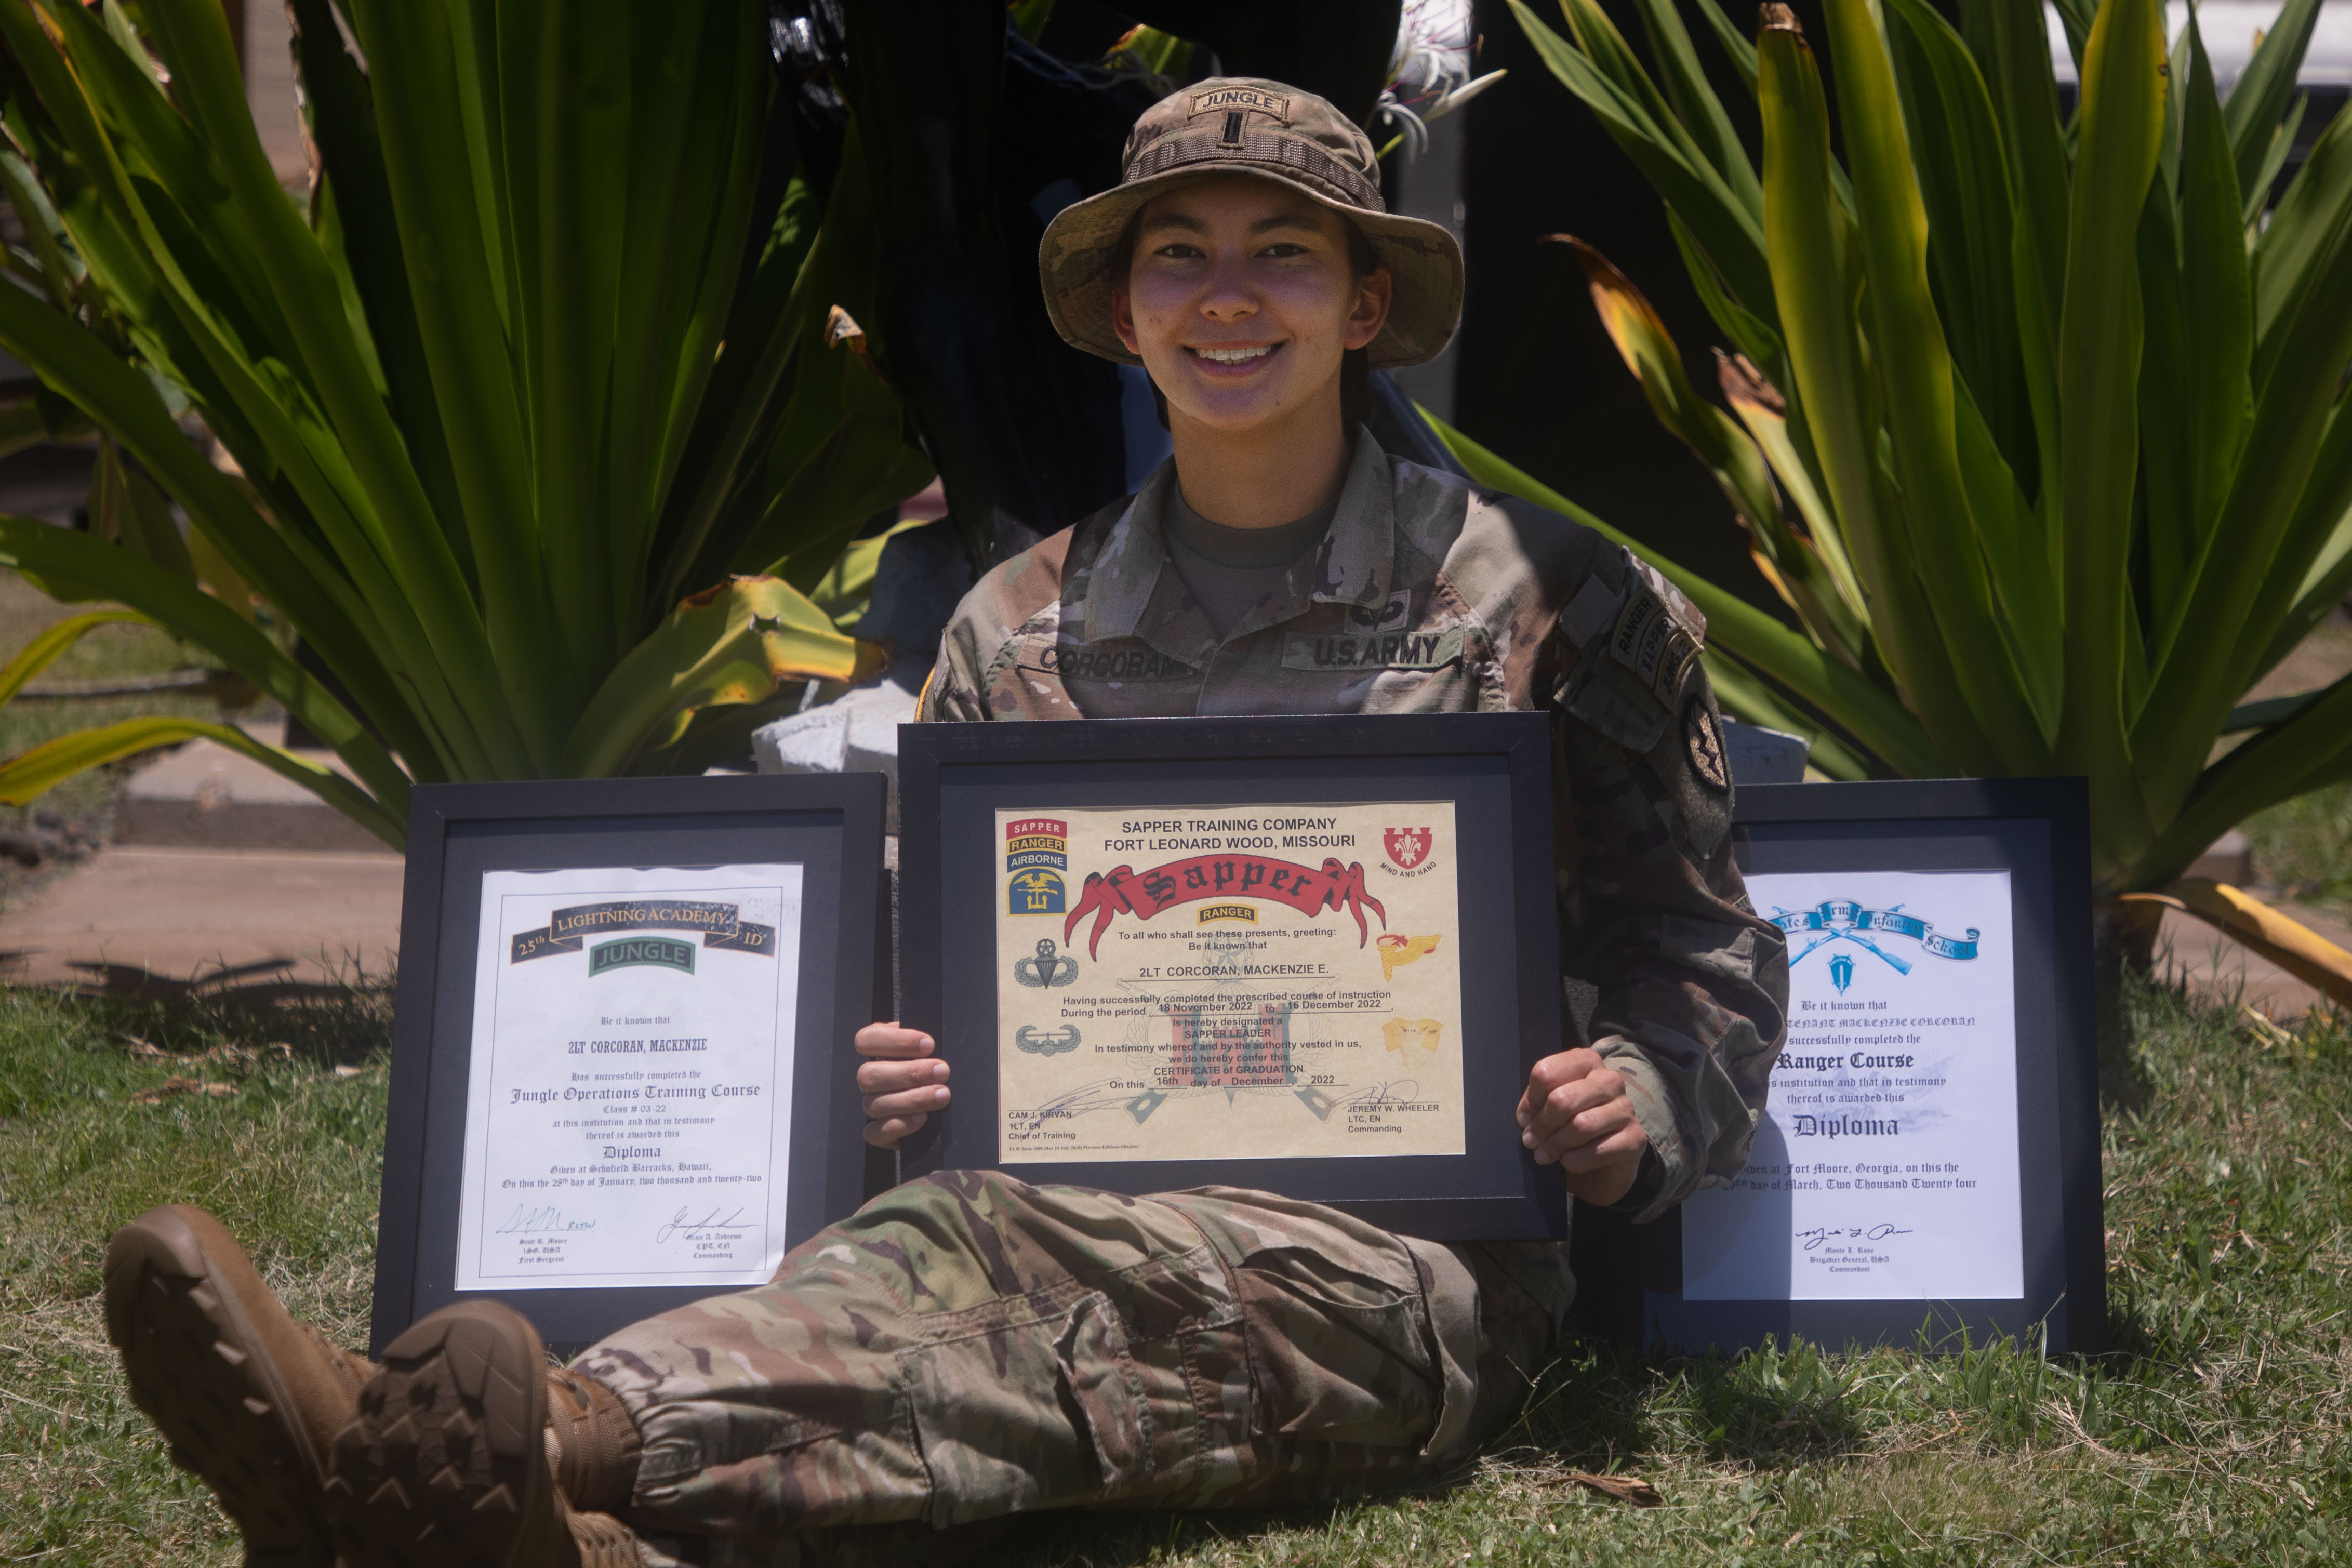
[(1313, 955), (1930, 1152), (621, 1072)]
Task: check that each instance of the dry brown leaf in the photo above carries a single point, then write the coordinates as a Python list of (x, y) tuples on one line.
[(172, 1086), (1624, 1489)]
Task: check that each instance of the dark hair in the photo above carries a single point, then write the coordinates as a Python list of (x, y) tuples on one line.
[(1355, 364)]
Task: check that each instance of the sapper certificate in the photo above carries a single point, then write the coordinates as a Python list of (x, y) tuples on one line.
[(630, 1089), (1238, 981)]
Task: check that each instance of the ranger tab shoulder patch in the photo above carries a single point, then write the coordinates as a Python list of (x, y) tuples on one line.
[(1651, 641), (1384, 650)]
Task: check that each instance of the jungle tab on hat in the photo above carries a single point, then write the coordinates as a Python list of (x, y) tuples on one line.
[(1243, 125)]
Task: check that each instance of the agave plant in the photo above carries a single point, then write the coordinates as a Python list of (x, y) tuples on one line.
[(2037, 426), (544, 424)]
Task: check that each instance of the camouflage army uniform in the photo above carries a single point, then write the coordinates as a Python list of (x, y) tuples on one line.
[(967, 1346)]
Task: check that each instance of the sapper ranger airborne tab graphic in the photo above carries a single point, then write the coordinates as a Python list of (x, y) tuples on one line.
[(1036, 853)]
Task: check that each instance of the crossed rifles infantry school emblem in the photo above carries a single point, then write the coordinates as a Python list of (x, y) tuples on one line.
[(1045, 969)]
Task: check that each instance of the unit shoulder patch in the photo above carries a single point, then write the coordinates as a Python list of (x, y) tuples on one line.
[(1703, 739)]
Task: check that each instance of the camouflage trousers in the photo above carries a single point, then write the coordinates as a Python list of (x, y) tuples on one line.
[(966, 1347)]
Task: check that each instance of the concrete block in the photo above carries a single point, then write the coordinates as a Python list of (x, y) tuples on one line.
[(857, 734), (2229, 859), (205, 797), (1758, 755)]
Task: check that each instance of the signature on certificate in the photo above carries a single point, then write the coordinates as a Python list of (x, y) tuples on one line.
[(529, 1221), (1394, 1091), (1819, 1233), (711, 1221), (1098, 1095)]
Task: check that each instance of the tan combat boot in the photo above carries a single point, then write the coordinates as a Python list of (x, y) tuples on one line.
[(248, 1399), (452, 1457)]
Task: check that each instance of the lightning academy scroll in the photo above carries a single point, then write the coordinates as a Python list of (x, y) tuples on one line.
[(1241, 981)]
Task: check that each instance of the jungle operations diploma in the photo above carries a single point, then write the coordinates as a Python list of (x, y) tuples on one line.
[(1240, 981), (629, 1107)]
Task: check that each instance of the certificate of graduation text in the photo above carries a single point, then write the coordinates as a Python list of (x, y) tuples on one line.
[(1231, 981), (628, 1108)]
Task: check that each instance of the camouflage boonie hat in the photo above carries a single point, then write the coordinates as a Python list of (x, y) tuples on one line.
[(1243, 125)]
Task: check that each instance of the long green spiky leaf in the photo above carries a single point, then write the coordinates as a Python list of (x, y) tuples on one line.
[(28, 777), (731, 643), (2260, 97), (52, 643), (1914, 375), (1806, 231), (1863, 709), (2304, 229), (1694, 101), (68, 358), (192, 614), (1726, 229), (2212, 395), (2099, 348), (1650, 352)]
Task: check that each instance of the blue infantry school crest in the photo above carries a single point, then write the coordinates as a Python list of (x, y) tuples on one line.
[(1045, 969), (1036, 853), (1848, 920)]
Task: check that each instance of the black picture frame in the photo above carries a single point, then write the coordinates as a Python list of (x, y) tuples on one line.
[(2037, 830), (1497, 767), (830, 825)]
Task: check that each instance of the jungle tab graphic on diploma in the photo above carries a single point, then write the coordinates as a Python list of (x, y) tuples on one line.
[(1261, 982)]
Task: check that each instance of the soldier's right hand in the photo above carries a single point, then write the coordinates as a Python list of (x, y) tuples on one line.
[(903, 1083)]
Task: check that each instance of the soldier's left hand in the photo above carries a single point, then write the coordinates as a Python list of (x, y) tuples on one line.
[(1575, 1114)]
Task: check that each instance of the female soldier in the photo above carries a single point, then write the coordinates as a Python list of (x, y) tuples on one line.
[(967, 1346)]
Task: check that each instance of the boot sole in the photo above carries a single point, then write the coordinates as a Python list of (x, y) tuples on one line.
[(182, 1319), (445, 1462)]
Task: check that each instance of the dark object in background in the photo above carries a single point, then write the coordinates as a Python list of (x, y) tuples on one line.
[(964, 139), (973, 139), (1539, 383), (1338, 50)]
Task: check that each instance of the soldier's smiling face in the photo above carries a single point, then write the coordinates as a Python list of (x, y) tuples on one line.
[(1241, 296)]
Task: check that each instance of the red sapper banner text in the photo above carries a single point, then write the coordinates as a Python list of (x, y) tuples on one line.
[(1143, 894)]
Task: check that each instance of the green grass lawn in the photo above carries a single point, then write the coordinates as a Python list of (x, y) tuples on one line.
[(2217, 1432)]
